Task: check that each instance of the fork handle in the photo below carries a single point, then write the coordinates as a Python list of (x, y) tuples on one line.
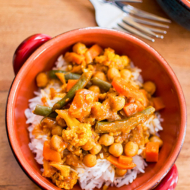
[(120, 4), (140, 13)]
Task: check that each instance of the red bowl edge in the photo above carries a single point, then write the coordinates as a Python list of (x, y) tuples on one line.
[(185, 3)]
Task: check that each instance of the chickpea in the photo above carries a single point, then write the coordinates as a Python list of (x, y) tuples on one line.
[(97, 110), (117, 102), (120, 172), (57, 143), (57, 130), (60, 121), (96, 149), (126, 74), (125, 60), (42, 80), (89, 145), (156, 139), (48, 123), (116, 149), (95, 89), (150, 87), (106, 140), (100, 75), (131, 149), (113, 72), (89, 160), (69, 67)]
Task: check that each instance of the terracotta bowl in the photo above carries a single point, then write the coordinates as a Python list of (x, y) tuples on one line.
[(154, 68)]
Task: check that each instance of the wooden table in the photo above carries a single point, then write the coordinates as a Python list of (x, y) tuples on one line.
[(20, 19)]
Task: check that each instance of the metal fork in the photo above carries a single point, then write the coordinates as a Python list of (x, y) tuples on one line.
[(110, 16), (137, 12)]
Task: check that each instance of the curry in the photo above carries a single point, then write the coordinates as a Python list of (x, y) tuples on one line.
[(101, 114)]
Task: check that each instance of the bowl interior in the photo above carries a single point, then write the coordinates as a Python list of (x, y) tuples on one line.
[(153, 67)]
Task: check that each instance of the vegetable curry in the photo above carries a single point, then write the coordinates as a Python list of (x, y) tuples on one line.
[(101, 114)]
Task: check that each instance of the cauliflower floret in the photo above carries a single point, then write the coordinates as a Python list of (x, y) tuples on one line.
[(77, 134), (65, 182), (64, 169), (48, 169), (110, 59)]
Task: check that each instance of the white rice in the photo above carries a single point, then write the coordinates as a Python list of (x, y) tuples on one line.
[(103, 172), (36, 144), (60, 64), (136, 75), (154, 124)]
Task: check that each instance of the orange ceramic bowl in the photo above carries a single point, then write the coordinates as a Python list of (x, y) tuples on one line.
[(154, 68)]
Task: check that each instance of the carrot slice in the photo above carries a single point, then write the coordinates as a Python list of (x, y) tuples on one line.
[(61, 77), (71, 83), (52, 93), (88, 57), (145, 98), (152, 151), (130, 109), (50, 154), (128, 90), (82, 103), (93, 52), (140, 106), (119, 165), (158, 103), (73, 57), (125, 160)]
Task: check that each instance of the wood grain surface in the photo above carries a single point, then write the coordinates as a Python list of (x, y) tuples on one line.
[(22, 18)]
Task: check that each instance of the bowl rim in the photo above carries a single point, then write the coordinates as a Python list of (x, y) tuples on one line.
[(10, 99), (185, 3)]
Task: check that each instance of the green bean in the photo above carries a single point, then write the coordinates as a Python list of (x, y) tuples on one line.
[(71, 76), (53, 115), (48, 111), (124, 125), (68, 75), (44, 111), (52, 73), (82, 82), (102, 84)]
